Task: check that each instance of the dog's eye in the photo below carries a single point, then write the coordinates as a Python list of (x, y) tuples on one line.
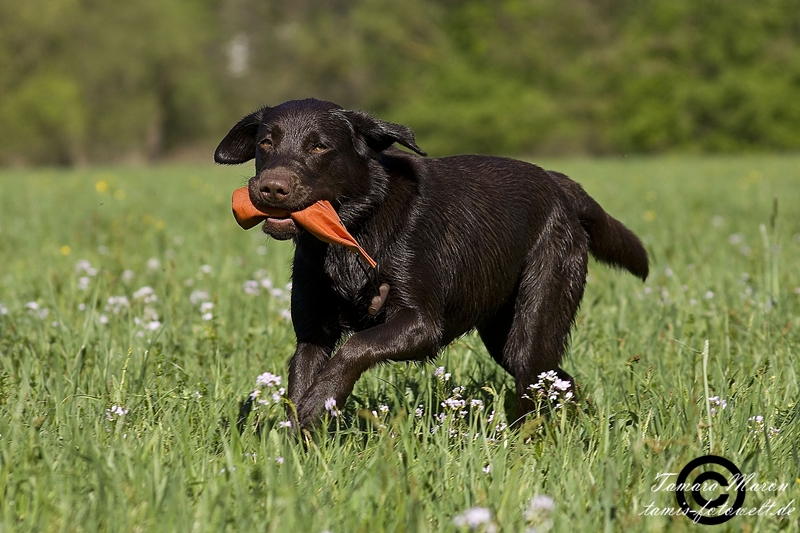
[(319, 148), (266, 144)]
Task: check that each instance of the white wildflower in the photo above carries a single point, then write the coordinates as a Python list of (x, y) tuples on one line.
[(757, 423), (147, 294), (199, 297), (453, 403), (330, 406), (474, 518), (116, 304), (715, 402), (268, 379), (205, 269), (561, 384), (440, 374), (278, 394), (539, 514), (153, 263), (37, 311), (552, 388), (205, 307), (83, 283), (116, 411), (541, 503), (127, 275), (207, 316), (277, 293), (83, 266), (251, 287)]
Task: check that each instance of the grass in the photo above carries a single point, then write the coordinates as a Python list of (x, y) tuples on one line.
[(114, 417)]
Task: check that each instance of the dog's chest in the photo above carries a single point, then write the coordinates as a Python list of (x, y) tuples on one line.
[(352, 281)]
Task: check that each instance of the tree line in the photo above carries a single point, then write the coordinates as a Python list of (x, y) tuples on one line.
[(86, 81)]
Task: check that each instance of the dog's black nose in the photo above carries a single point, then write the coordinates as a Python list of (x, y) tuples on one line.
[(274, 188)]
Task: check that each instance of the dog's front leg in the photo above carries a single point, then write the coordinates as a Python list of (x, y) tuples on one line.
[(406, 336), (308, 359)]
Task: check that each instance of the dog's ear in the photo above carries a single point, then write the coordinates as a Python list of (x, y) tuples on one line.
[(239, 145), (379, 135)]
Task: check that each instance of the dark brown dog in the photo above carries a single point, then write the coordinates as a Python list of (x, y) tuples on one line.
[(463, 242)]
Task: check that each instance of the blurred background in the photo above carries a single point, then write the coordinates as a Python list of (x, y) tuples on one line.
[(92, 81)]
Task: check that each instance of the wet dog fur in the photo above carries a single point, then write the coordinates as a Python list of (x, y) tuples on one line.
[(464, 242)]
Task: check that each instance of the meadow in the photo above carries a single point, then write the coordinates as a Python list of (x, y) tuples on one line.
[(135, 315)]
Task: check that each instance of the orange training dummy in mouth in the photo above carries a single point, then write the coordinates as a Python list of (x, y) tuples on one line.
[(320, 219)]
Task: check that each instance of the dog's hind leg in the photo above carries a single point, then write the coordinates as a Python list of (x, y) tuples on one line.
[(529, 334)]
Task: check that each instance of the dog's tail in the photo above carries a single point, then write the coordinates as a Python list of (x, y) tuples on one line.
[(609, 240)]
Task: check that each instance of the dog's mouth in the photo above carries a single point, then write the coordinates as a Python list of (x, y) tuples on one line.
[(280, 226), (320, 219)]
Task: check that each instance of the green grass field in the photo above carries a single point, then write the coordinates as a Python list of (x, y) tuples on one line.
[(135, 315)]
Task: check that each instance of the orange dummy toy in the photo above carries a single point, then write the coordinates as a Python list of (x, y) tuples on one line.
[(319, 219)]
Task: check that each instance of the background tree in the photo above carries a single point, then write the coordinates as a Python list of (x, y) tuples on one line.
[(86, 80)]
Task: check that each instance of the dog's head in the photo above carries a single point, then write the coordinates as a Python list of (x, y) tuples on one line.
[(306, 151)]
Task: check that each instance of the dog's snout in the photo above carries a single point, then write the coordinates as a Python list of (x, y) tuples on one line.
[(274, 188)]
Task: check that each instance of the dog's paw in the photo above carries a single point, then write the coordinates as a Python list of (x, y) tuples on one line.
[(314, 408)]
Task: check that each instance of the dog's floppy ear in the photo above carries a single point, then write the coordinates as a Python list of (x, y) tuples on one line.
[(379, 135), (239, 145)]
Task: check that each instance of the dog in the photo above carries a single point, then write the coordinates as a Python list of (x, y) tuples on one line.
[(463, 242)]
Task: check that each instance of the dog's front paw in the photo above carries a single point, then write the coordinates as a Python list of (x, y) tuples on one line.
[(308, 419), (313, 408)]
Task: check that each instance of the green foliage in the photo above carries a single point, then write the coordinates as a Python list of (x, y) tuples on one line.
[(86, 80), (82, 80), (715, 76), (111, 423)]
